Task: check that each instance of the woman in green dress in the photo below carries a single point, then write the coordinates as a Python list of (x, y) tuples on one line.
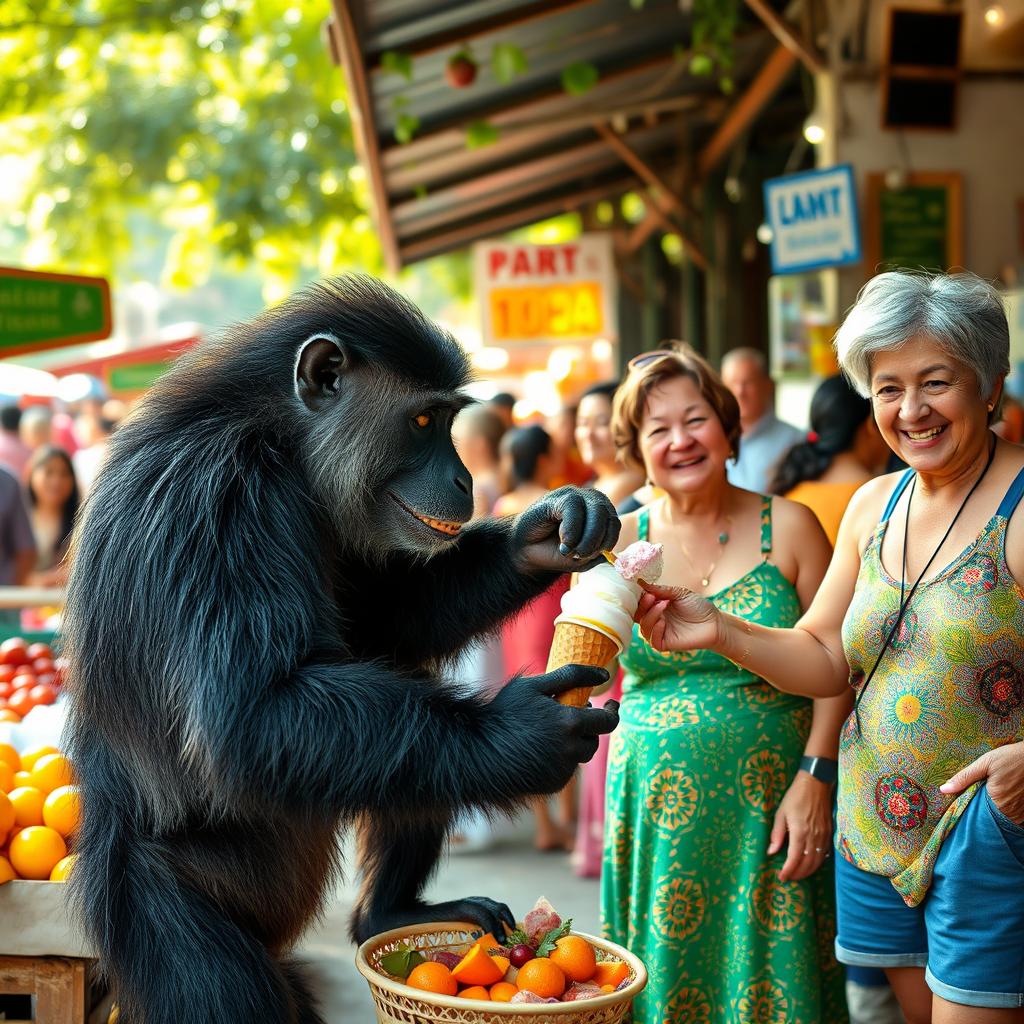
[(719, 812)]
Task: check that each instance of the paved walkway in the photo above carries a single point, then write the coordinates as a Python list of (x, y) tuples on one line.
[(511, 870)]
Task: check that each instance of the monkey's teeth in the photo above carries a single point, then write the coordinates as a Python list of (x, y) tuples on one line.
[(438, 524)]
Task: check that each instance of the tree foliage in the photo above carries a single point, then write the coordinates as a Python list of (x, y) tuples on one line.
[(225, 117)]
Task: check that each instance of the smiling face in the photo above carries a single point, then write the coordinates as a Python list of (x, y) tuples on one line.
[(682, 442), (928, 407), (52, 483), (594, 431)]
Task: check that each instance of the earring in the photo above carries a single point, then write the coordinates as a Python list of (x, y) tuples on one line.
[(991, 406)]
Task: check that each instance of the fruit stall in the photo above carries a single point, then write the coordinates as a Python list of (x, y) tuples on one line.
[(44, 960)]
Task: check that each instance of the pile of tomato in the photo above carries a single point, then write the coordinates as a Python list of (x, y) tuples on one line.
[(30, 675)]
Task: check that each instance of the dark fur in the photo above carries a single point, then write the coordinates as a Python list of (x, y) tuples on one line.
[(256, 629)]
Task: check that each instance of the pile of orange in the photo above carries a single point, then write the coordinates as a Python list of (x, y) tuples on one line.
[(483, 975), (39, 814)]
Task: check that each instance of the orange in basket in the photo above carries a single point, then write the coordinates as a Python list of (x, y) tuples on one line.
[(475, 992), (62, 810), (6, 871), (541, 977), (28, 805), (610, 972), (575, 957), (10, 755), (503, 992), (6, 816), (50, 772), (35, 852), (477, 968), (432, 977)]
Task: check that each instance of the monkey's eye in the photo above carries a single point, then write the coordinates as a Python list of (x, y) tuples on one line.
[(423, 420)]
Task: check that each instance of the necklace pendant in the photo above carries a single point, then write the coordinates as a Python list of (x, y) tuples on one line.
[(704, 582), (723, 539)]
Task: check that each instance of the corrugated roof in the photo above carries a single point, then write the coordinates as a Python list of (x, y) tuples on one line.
[(434, 193)]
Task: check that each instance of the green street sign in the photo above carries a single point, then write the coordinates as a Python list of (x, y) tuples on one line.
[(40, 310), (136, 376)]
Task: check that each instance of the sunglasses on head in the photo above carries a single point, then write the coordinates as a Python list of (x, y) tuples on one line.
[(648, 357)]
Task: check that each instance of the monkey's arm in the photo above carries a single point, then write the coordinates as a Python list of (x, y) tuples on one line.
[(358, 737), (496, 567), (396, 859)]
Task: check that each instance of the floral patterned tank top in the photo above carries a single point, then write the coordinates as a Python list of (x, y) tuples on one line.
[(950, 687)]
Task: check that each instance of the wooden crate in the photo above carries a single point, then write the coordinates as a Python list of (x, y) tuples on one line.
[(57, 983)]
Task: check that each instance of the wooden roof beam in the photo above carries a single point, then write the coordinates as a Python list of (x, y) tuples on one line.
[(757, 95), (463, 235), (789, 38), (364, 136)]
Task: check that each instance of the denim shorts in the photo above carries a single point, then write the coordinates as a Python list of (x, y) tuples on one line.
[(968, 933)]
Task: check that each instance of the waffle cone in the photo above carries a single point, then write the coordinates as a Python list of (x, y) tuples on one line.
[(574, 644)]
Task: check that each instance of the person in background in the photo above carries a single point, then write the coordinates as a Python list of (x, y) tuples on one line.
[(712, 774), (17, 545), (526, 639), (843, 450), (93, 432), (566, 465), (14, 453), (597, 450), (36, 427), (477, 433), (52, 493), (921, 614), (764, 436), (502, 404), (596, 446)]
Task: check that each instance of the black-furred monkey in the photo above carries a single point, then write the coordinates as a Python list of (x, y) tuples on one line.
[(268, 578)]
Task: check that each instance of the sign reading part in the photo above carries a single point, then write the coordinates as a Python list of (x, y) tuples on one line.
[(546, 293)]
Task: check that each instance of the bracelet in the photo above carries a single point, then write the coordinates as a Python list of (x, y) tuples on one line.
[(824, 769), (745, 653)]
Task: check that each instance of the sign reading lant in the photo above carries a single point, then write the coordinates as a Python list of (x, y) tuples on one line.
[(542, 293), (40, 310), (813, 217)]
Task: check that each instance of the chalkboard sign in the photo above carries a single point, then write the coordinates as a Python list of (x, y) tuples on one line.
[(917, 226)]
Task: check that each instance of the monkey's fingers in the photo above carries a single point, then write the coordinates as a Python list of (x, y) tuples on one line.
[(598, 721), (570, 677)]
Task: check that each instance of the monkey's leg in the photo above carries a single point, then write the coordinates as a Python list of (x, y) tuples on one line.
[(397, 858), (171, 956), (306, 1009)]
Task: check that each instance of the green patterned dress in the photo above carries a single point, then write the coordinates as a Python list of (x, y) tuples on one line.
[(698, 765)]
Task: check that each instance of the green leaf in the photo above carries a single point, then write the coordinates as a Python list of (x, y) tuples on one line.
[(548, 940), (701, 65), (400, 962), (637, 5), (517, 938), (397, 62), (406, 127), (507, 61), (726, 84), (579, 78), (480, 133)]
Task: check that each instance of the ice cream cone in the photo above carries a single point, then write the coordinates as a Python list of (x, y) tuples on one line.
[(576, 644)]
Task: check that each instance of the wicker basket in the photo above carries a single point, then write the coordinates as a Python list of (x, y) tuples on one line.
[(400, 1004)]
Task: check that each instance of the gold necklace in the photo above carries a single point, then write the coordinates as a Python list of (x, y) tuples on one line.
[(723, 539)]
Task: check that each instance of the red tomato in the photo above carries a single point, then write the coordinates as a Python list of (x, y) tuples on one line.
[(42, 665), (21, 702), (24, 681), (47, 679), (39, 650), (42, 695), (6, 673), (6, 689), (14, 651)]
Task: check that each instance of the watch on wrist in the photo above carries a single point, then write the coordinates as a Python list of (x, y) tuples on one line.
[(824, 769)]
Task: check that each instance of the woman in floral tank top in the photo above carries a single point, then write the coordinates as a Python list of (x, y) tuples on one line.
[(922, 613)]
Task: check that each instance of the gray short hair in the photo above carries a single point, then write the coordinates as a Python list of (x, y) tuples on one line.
[(961, 312), (746, 354)]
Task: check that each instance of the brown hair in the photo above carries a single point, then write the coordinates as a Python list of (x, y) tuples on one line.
[(679, 360)]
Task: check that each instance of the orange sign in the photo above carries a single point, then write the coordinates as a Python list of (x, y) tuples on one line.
[(538, 293)]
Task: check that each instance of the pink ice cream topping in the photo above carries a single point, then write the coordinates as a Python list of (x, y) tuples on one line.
[(641, 559)]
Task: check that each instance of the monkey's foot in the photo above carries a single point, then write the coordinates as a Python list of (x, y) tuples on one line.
[(488, 914)]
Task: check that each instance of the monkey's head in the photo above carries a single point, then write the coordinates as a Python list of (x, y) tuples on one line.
[(376, 387)]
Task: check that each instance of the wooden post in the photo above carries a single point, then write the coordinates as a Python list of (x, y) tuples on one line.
[(58, 985)]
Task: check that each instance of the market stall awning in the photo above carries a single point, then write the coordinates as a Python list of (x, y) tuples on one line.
[(494, 155)]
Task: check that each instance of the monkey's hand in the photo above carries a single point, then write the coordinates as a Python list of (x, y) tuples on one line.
[(540, 742), (565, 531)]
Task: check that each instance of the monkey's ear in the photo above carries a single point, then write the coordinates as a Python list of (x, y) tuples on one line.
[(319, 365)]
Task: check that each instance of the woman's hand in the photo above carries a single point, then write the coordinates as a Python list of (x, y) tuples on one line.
[(805, 814), (675, 619), (1003, 768)]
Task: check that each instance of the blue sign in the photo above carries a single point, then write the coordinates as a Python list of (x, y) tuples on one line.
[(813, 217)]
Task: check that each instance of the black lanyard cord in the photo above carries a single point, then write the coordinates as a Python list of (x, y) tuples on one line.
[(905, 602)]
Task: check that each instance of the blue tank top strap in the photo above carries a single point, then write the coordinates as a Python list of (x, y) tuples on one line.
[(766, 526), (1012, 497), (895, 496), (643, 522)]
